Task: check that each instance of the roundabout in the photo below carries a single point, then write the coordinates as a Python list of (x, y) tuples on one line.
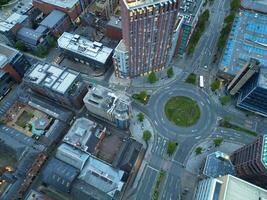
[(182, 111), (204, 110)]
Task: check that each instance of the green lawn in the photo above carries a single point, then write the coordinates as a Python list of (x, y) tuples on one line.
[(182, 111)]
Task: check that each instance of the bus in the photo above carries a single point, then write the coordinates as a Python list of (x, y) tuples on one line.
[(201, 81)]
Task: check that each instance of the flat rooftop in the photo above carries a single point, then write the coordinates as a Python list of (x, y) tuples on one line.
[(115, 22), (238, 189), (256, 5), (62, 3), (11, 21), (86, 48), (218, 164), (6, 54), (247, 39), (189, 9), (82, 131), (57, 78), (136, 4), (102, 176), (262, 81)]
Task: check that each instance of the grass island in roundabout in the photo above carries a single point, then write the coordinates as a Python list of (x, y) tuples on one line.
[(182, 111)]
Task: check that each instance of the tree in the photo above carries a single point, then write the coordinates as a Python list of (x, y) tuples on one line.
[(235, 4), (140, 117), (41, 50), (20, 46), (170, 72), (146, 135), (215, 85), (51, 41), (152, 77), (198, 150), (143, 95), (217, 141), (172, 145)]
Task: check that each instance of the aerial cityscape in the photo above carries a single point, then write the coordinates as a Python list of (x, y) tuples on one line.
[(133, 99)]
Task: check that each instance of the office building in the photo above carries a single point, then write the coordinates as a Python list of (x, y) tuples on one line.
[(109, 105), (243, 76), (10, 26), (247, 40), (252, 96), (255, 5), (190, 10), (147, 36), (73, 8), (250, 162), (82, 50), (13, 62), (228, 188), (60, 84)]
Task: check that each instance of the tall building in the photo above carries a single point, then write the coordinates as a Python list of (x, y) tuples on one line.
[(228, 188), (243, 76), (109, 105), (250, 162), (147, 30), (62, 85), (253, 94)]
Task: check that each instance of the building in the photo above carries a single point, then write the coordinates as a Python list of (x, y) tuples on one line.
[(250, 162), (218, 164), (105, 178), (104, 8), (10, 26), (13, 62), (93, 54), (247, 40), (5, 83), (113, 28), (34, 195), (254, 5), (59, 175), (252, 95), (83, 135), (73, 8), (228, 188), (190, 10), (57, 22), (60, 84), (32, 38), (147, 35), (72, 156), (243, 76), (109, 105)]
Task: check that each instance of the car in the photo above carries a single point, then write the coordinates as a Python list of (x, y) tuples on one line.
[(205, 67), (18, 6), (14, 9), (20, 3)]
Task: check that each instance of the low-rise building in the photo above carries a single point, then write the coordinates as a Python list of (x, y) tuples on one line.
[(113, 28), (57, 22), (254, 5), (73, 8), (230, 188), (10, 26), (60, 84), (13, 62), (109, 105), (82, 50)]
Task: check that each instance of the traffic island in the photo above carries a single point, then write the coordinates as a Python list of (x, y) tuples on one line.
[(182, 111)]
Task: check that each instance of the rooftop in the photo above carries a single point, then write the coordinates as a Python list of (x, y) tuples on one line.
[(53, 18), (102, 176), (262, 81), (218, 164), (62, 3), (6, 54), (136, 4), (112, 102), (72, 156), (189, 9), (80, 45), (264, 150), (11, 21), (115, 22), (56, 78), (237, 189), (121, 47), (36, 195), (81, 132), (247, 40), (257, 5)]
